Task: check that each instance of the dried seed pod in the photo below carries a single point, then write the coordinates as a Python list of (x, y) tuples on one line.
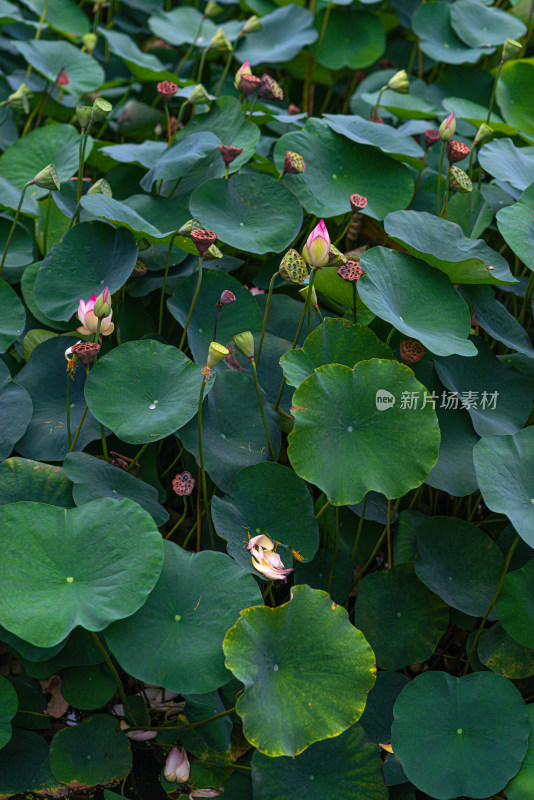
[(431, 137), (229, 153), (86, 351), (183, 484), (411, 351), (249, 84), (351, 271), (203, 240), (270, 89), (456, 151), (167, 90), (294, 164), (227, 297), (358, 202)]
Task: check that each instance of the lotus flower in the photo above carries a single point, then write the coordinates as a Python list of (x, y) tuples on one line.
[(89, 320), (447, 127), (244, 69), (317, 248), (177, 766), (265, 560)]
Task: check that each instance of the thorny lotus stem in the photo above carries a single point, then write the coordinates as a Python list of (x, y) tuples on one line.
[(202, 467), (115, 674), (334, 555), (199, 513), (265, 315), (376, 547), (14, 225), (193, 301), (183, 727), (162, 296), (201, 64), (478, 634), (256, 384), (360, 526), (225, 72), (390, 335), (83, 142), (177, 525), (69, 435), (439, 174), (78, 429), (137, 456)]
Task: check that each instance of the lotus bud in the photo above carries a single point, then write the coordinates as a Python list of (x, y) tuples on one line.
[(167, 90), (252, 25), (244, 342), (483, 132), (294, 164), (190, 225), (212, 9), (270, 89), (227, 297), (399, 82), (351, 271), (85, 351), (431, 137), (198, 95), (229, 153), (358, 202), (101, 109), (83, 115), (313, 297), (89, 41), (456, 151), (511, 49), (411, 351), (177, 766), (293, 268), (101, 186), (62, 78), (448, 127), (183, 484), (203, 240), (47, 178), (249, 84), (20, 100), (335, 257), (293, 110), (102, 306), (317, 248), (220, 41), (244, 69), (216, 353), (460, 180)]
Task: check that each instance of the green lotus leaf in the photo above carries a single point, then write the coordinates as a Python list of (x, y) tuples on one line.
[(94, 751), (471, 212), (496, 320), (284, 32), (299, 689), (316, 573), (62, 15), (377, 718), (354, 38), (503, 655), (179, 158), (27, 284), (506, 162), (144, 154), (23, 479), (20, 253), (12, 316), (123, 216), (474, 732), (362, 414), (69, 567), (400, 618), (515, 225), (15, 412), (156, 390), (144, 66), (175, 639), (84, 72), (475, 114), (522, 785), (514, 84), (439, 41), (481, 26), (24, 765), (386, 138), (87, 687), (183, 26), (8, 708), (515, 604)]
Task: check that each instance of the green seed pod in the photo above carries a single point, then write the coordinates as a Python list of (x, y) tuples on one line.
[(47, 178), (460, 180), (100, 110), (244, 342), (293, 268)]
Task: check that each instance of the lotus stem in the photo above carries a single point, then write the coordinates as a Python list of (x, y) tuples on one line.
[(193, 301), (177, 525), (388, 532), (527, 299), (360, 526), (225, 72), (115, 674), (376, 547), (14, 225), (354, 300), (447, 189), (202, 466), (299, 329), (334, 555), (69, 435), (322, 510), (265, 316), (136, 458), (439, 174), (78, 429), (377, 106), (258, 392), (164, 286)]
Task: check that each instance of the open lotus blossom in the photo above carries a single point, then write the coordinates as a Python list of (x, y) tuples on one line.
[(317, 248), (269, 564), (89, 319), (177, 766)]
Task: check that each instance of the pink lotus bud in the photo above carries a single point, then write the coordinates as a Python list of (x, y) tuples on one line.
[(244, 69), (102, 306), (177, 766), (447, 127), (89, 319), (317, 248)]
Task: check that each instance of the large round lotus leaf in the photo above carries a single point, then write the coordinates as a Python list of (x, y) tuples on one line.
[(45, 379), (515, 82), (82, 566), (400, 618), (240, 316), (515, 605), (52, 144), (306, 670), (283, 34), (145, 66), (403, 291), (100, 205), (15, 411), (336, 341), (348, 762), (233, 435), (459, 562), (84, 72), (270, 499), (521, 787), (94, 751), (20, 252), (497, 397), (144, 154), (90, 257), (432, 23), (506, 162), (175, 639), (27, 284), (460, 736), (353, 38), (454, 472), (24, 765), (62, 15), (8, 708), (335, 165), (155, 390), (495, 319), (443, 245), (377, 718), (503, 655), (316, 573), (389, 140), (417, 104), (87, 687), (181, 25), (515, 225), (255, 213), (180, 157), (12, 316), (481, 26), (364, 415), (29, 651), (93, 477)]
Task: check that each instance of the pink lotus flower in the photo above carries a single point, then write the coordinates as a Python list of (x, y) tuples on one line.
[(448, 127), (265, 560), (89, 320), (177, 766), (317, 248)]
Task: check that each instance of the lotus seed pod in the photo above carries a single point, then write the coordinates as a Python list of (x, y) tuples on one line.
[(20, 100), (229, 153), (227, 297), (411, 351), (351, 271), (190, 225), (358, 202), (335, 257), (244, 69), (183, 484), (167, 90), (47, 178), (511, 49), (212, 9), (220, 42), (101, 109), (460, 180), (448, 127), (198, 95), (399, 82), (216, 353), (101, 186), (483, 132), (313, 298), (456, 151), (86, 351), (431, 137), (244, 342), (293, 268), (252, 25), (249, 84), (213, 252), (270, 89), (294, 164), (83, 115), (89, 41), (203, 240)]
